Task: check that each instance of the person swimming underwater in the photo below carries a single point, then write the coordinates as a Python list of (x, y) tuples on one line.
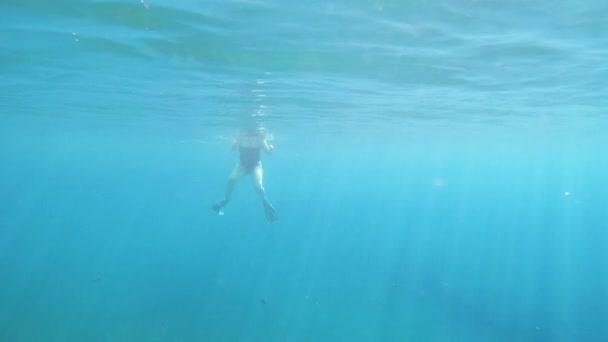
[(249, 143)]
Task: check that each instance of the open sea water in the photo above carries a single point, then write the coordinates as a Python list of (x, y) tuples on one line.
[(440, 170)]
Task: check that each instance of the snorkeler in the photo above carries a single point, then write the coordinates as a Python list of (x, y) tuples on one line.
[(249, 143)]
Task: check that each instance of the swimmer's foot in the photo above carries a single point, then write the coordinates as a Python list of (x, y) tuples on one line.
[(271, 215), (217, 207)]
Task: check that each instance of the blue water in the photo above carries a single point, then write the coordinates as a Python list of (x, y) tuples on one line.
[(439, 172)]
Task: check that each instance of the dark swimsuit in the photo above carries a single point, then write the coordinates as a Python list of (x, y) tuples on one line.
[(250, 158)]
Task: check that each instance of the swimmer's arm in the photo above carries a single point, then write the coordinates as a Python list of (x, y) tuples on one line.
[(235, 145), (268, 147)]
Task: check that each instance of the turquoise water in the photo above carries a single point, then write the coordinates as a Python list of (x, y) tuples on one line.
[(439, 173)]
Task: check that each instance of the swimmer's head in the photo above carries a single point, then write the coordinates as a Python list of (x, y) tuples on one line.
[(253, 132)]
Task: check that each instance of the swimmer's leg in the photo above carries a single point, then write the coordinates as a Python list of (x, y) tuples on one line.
[(258, 183), (230, 184)]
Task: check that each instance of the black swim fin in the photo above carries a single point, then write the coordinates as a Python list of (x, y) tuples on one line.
[(271, 215), (217, 207)]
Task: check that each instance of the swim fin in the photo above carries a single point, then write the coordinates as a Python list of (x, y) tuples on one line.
[(271, 215), (217, 207)]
